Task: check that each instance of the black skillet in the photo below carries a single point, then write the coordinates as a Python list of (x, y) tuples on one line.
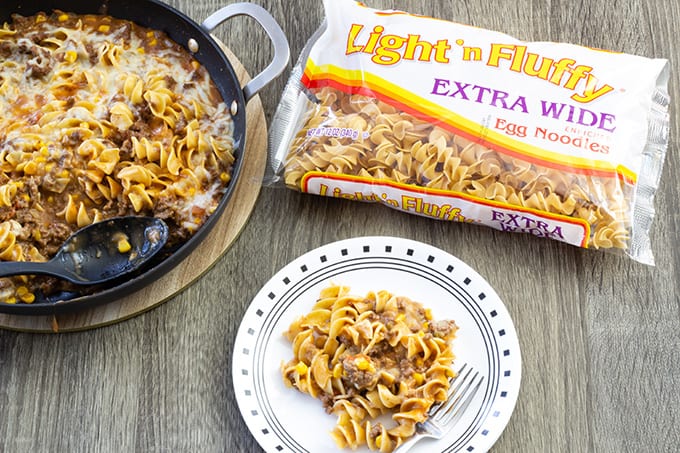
[(181, 29)]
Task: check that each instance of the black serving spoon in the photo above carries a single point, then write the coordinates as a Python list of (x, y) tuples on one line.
[(99, 252)]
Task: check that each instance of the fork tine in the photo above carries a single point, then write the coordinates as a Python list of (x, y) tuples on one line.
[(441, 416), (458, 404), (452, 389), (454, 385)]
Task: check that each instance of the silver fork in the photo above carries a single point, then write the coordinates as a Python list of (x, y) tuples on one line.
[(442, 416)]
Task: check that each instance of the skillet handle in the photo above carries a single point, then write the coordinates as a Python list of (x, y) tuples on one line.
[(278, 38)]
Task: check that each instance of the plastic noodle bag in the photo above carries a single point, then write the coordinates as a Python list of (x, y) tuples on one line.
[(459, 123)]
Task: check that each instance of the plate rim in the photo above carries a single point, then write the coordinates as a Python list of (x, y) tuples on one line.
[(511, 394)]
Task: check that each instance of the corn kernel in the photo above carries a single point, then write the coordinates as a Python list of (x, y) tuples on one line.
[(153, 42), (40, 18), (421, 334), (37, 235), (124, 245), (28, 298), (104, 28), (363, 364), (11, 300), (21, 290), (149, 34), (195, 64), (337, 371), (378, 441), (71, 56), (400, 317), (141, 50), (225, 177), (31, 168), (62, 17), (419, 378), (301, 368), (428, 314)]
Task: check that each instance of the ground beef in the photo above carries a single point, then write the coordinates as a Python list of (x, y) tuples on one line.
[(345, 339), (6, 48), (53, 235), (360, 379), (92, 53), (442, 329), (375, 431), (327, 401), (41, 63), (406, 368)]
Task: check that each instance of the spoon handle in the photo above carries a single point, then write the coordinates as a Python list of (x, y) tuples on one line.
[(9, 268)]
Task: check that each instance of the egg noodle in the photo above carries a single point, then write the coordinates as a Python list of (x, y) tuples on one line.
[(100, 117), (364, 357)]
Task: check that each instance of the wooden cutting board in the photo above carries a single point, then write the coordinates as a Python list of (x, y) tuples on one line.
[(223, 234)]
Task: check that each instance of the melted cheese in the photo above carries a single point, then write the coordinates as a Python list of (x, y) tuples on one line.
[(101, 117)]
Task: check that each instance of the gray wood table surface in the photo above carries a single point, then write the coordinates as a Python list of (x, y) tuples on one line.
[(600, 334)]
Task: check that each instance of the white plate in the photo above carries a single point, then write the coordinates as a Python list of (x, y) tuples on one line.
[(284, 420)]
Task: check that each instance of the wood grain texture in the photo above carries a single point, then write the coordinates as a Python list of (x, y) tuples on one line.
[(599, 333)]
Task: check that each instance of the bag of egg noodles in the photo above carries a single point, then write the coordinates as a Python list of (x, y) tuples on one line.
[(459, 123)]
